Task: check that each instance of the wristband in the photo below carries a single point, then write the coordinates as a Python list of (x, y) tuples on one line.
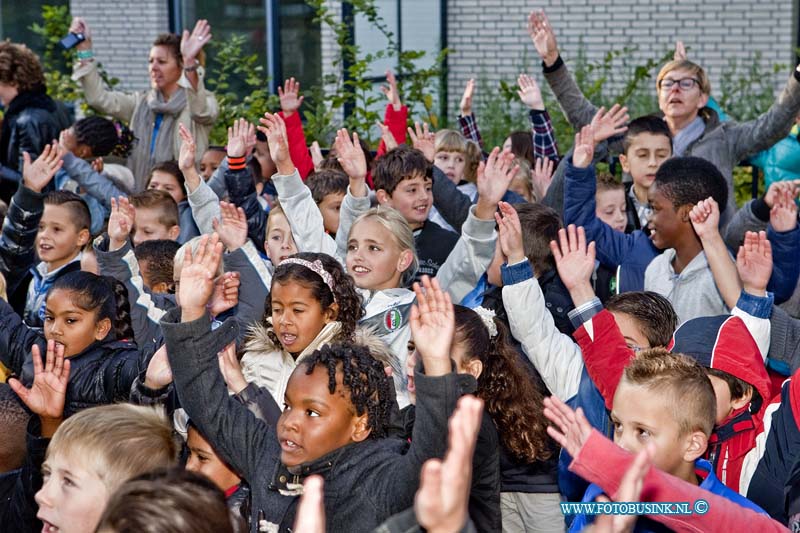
[(237, 163), (554, 67), (193, 67), (85, 55)]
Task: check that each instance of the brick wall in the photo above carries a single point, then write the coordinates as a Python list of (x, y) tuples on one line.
[(489, 37), (122, 33)]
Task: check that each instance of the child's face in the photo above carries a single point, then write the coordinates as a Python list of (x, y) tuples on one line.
[(374, 258), (679, 104), (71, 326), (280, 243), (645, 156), (726, 404), (640, 416), (413, 198), (164, 181), (329, 207), (297, 317), (58, 240), (210, 162), (204, 460), (158, 288), (148, 227), (667, 225), (72, 497), (610, 208), (452, 164), (631, 331), (314, 421)]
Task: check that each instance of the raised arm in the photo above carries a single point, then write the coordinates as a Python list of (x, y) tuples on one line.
[(705, 221), (201, 103), (784, 235), (396, 117), (84, 174), (466, 118), (356, 201), (291, 101)]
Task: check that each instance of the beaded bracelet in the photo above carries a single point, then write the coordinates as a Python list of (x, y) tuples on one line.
[(84, 55)]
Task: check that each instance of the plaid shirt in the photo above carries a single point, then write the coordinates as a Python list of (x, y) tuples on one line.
[(469, 128), (544, 139)]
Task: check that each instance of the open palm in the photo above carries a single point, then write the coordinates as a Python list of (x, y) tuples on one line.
[(49, 389)]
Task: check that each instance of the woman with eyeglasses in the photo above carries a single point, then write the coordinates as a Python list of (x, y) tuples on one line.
[(683, 91)]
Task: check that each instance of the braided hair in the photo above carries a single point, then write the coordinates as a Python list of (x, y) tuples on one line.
[(104, 136), (363, 376), (105, 295), (512, 399), (344, 290)]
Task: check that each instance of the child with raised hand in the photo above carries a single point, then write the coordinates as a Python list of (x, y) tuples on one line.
[(168, 177), (340, 386), (572, 431)]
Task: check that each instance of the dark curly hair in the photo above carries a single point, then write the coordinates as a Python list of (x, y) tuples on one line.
[(511, 397), (20, 67), (346, 296), (104, 136), (104, 295), (363, 376), (687, 180)]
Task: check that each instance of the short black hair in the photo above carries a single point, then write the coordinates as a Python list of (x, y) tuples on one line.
[(646, 124), (363, 376), (104, 137), (81, 217), (325, 182), (160, 257), (397, 165), (688, 180), (651, 311)]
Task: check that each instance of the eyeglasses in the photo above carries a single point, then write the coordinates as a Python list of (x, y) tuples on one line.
[(685, 84), (635, 348)]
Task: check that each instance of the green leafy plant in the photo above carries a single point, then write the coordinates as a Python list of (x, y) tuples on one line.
[(746, 89)]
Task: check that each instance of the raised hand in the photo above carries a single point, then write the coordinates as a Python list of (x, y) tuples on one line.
[(68, 140), (680, 52), (274, 128), (226, 293), (542, 176), (510, 233), (191, 44), (630, 490), (493, 180), (570, 428), (289, 96), (47, 394), (231, 226), (310, 516), (240, 135), (423, 140), (611, 123), (231, 369), (705, 218), (79, 25), (351, 157), (543, 37), (197, 277), (783, 215), (188, 151), (391, 92), (754, 263), (37, 174), (387, 136), (529, 92), (466, 99), (575, 262), (775, 189), (159, 373), (433, 326), (316, 155), (442, 499), (120, 222), (583, 149)]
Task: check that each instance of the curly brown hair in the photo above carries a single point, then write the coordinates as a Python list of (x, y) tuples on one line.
[(20, 67), (514, 402)]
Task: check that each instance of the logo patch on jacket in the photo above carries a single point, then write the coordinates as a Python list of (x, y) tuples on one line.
[(392, 319)]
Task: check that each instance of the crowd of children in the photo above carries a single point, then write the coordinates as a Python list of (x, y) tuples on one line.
[(435, 336)]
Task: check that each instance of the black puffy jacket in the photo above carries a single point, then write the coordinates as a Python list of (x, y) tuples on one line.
[(101, 374), (31, 121)]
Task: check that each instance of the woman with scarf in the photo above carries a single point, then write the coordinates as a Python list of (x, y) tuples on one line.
[(177, 96), (31, 119)]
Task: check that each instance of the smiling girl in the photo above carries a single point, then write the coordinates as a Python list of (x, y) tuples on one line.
[(89, 316)]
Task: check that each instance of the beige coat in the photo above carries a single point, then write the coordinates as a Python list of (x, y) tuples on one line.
[(198, 116)]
